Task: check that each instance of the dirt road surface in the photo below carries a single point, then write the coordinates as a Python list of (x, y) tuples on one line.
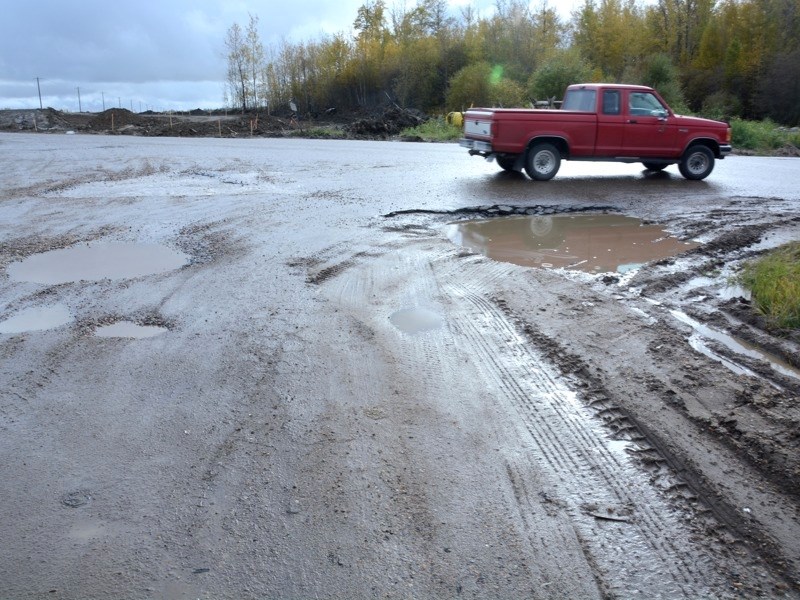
[(290, 381)]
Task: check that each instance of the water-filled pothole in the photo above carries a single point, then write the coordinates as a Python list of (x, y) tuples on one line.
[(590, 243), (416, 320), (94, 262), (128, 329), (38, 318)]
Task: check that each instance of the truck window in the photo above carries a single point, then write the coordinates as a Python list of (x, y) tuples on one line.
[(645, 104), (611, 103), (580, 100)]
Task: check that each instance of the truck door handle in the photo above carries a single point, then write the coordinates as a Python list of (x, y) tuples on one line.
[(632, 121)]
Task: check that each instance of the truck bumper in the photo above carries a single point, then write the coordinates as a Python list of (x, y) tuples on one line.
[(476, 146), (724, 150)]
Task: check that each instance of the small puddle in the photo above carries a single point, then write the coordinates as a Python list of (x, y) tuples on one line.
[(589, 243), (416, 320), (704, 332), (96, 262), (39, 318), (128, 329)]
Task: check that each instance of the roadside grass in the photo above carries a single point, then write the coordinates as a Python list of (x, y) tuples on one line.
[(762, 136), (324, 133), (434, 130), (774, 282)]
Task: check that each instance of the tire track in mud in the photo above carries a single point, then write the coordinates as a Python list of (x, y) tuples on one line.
[(576, 454), (632, 534)]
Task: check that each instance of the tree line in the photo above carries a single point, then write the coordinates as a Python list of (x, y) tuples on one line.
[(725, 58)]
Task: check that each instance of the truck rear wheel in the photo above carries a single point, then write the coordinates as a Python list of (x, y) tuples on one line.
[(542, 162), (697, 163), (506, 162)]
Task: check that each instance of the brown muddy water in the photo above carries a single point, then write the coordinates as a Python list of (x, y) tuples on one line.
[(589, 243)]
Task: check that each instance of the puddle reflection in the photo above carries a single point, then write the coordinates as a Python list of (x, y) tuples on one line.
[(416, 320), (590, 243), (95, 262), (37, 319)]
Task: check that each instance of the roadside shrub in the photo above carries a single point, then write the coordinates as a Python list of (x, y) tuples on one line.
[(721, 106), (774, 282), (434, 130), (552, 78), (757, 135), (661, 74), (483, 85)]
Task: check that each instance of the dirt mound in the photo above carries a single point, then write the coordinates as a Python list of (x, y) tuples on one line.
[(390, 123), (114, 118)]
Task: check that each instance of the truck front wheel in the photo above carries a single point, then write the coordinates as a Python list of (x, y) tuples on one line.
[(697, 163), (542, 162)]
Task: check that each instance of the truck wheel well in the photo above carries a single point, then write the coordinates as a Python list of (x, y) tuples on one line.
[(707, 142), (560, 144)]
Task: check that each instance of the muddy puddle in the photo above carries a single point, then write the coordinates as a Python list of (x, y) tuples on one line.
[(39, 318), (416, 320), (94, 262), (703, 333), (589, 243)]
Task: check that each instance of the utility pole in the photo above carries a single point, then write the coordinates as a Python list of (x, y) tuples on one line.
[(103, 96), (38, 87), (80, 108)]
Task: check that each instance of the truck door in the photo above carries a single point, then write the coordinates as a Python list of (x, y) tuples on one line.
[(648, 131), (611, 124)]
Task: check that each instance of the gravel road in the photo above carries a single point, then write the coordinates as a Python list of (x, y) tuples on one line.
[(285, 374)]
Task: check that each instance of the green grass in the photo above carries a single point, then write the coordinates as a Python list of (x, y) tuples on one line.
[(761, 136), (774, 282), (434, 130), (324, 133)]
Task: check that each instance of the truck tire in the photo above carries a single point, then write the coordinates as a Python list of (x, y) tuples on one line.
[(542, 162), (654, 166), (697, 163), (506, 162)]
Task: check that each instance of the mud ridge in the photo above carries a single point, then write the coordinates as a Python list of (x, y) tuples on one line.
[(502, 210)]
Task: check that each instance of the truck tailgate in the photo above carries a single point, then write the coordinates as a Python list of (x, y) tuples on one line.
[(478, 124)]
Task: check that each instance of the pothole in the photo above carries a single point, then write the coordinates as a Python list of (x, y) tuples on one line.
[(590, 243), (94, 262), (416, 320), (39, 318)]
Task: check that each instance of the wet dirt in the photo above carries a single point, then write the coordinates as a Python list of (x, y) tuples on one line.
[(127, 329), (347, 404)]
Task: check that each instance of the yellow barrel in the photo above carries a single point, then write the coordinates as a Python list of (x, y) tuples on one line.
[(455, 118)]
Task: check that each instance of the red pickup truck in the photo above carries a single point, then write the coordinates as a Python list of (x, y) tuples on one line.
[(601, 122)]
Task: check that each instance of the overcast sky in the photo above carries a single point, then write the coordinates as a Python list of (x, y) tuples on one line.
[(150, 54)]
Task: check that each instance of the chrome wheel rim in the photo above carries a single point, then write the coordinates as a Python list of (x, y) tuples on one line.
[(697, 163), (544, 162)]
